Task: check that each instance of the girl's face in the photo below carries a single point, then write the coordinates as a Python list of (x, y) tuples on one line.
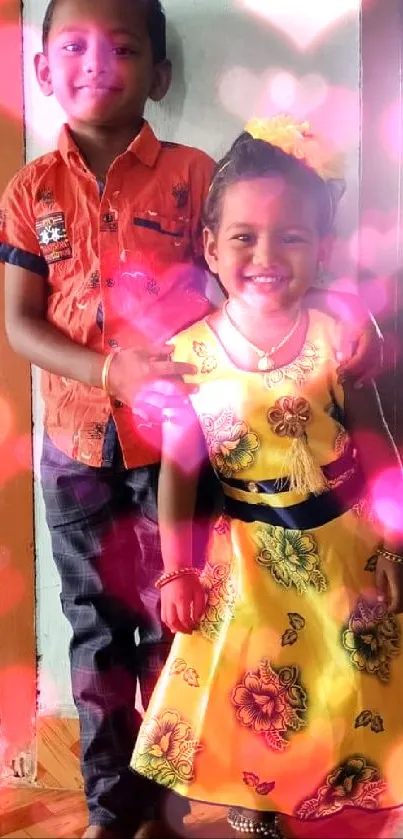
[(267, 247)]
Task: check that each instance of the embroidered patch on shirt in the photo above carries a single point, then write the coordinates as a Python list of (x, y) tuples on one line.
[(109, 222), (180, 193), (46, 197), (52, 237)]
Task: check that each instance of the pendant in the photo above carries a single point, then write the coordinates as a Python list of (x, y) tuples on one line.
[(265, 363)]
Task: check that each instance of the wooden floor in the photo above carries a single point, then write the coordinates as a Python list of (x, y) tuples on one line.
[(50, 814)]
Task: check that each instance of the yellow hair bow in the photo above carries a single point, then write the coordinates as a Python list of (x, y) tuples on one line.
[(298, 140)]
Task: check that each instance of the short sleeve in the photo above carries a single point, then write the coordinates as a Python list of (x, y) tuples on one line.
[(18, 240)]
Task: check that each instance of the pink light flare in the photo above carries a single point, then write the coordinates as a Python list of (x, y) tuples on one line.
[(373, 246), (246, 94), (333, 111), (387, 499), (301, 25), (391, 131)]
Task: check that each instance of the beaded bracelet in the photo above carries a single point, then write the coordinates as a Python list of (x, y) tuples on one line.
[(105, 369), (174, 575), (392, 557)]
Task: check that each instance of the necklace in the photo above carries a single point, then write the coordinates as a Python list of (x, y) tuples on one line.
[(265, 360)]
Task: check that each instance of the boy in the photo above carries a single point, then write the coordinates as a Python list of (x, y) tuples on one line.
[(96, 236), (100, 238)]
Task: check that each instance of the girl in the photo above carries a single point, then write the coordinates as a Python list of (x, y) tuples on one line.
[(280, 694)]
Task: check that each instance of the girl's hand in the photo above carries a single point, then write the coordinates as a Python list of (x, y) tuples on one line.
[(389, 582), (183, 601)]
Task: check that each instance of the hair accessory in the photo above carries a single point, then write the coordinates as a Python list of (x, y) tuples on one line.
[(297, 139), (175, 575)]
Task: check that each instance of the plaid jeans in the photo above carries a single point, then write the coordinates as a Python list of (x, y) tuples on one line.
[(106, 547)]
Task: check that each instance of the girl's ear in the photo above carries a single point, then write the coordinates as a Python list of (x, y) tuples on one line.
[(325, 250), (210, 250), (42, 71)]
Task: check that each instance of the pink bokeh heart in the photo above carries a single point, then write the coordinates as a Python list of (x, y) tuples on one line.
[(303, 23), (333, 110)]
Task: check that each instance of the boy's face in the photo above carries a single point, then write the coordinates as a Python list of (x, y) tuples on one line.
[(99, 63)]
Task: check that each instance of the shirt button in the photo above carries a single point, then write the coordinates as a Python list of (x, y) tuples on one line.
[(110, 282), (113, 343), (117, 403)]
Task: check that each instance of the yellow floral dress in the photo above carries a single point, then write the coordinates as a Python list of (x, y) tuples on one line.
[(286, 698)]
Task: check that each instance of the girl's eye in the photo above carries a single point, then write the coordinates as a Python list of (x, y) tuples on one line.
[(292, 239), (245, 238)]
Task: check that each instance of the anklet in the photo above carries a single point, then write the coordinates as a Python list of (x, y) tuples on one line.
[(255, 826)]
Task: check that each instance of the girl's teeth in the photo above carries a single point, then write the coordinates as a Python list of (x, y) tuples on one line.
[(267, 280)]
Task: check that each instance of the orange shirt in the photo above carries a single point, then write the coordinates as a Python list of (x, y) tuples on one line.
[(119, 261)]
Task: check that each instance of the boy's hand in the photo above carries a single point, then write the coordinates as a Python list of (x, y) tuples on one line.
[(148, 380), (389, 582), (183, 601), (359, 350)]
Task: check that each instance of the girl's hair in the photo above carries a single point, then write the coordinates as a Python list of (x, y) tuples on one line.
[(155, 22), (249, 158)]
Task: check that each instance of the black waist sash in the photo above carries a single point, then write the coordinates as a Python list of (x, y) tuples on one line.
[(315, 511)]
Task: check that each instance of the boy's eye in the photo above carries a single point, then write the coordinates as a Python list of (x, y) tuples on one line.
[(73, 47), (124, 50)]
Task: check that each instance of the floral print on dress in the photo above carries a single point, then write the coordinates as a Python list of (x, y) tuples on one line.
[(189, 674), (272, 703), (355, 782), (370, 719), (167, 749), (209, 362), (250, 779), (219, 585), (231, 443), (222, 526), (342, 440), (291, 557), (289, 416), (297, 371), (372, 638)]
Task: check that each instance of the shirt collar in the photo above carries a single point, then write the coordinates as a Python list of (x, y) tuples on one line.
[(145, 146)]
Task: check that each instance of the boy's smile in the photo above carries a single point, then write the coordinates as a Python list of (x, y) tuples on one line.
[(99, 62)]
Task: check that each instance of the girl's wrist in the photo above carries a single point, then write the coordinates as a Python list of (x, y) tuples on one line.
[(170, 576)]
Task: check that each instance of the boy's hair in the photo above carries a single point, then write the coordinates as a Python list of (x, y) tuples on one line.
[(155, 22), (249, 158)]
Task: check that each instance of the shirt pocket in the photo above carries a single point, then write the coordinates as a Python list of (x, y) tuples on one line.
[(156, 240)]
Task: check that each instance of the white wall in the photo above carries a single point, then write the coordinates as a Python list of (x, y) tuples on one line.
[(225, 57)]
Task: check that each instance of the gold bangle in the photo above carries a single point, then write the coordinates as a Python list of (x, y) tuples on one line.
[(174, 575), (389, 555), (105, 369)]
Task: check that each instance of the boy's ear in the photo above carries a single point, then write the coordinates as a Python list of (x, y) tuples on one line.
[(42, 71), (210, 250), (161, 80)]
